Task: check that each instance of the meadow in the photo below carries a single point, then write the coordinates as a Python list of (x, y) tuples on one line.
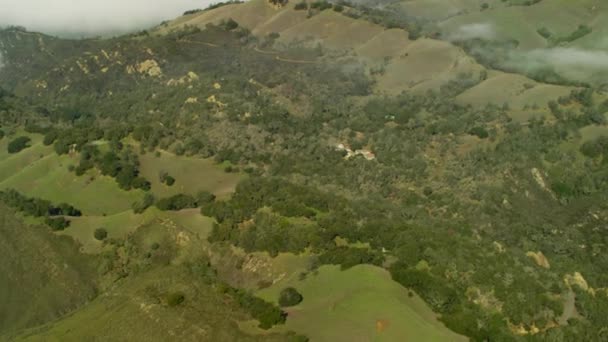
[(362, 303)]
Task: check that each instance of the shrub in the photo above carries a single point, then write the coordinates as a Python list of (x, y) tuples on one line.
[(57, 223), (321, 5), (480, 132), (100, 234), (266, 313), (544, 32), (301, 6), (205, 197), (50, 137), (193, 11), (290, 297), (177, 202), (175, 298), (230, 25), (18, 144), (141, 206)]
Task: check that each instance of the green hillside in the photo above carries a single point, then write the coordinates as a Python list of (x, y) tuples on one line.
[(43, 277), (416, 170)]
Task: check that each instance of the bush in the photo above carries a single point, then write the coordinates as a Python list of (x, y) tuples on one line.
[(290, 297), (266, 313), (321, 5), (175, 298), (480, 132), (57, 223), (301, 6), (141, 206), (169, 181), (177, 202), (35, 206), (205, 197), (193, 11), (18, 144), (100, 234), (230, 25), (50, 137)]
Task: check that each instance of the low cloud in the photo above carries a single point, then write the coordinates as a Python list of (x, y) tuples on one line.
[(92, 17), (570, 57), (472, 31)]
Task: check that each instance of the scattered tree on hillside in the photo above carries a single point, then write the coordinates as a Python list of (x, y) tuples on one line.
[(100, 234), (141, 206), (175, 298), (177, 202), (57, 223), (18, 144), (289, 297)]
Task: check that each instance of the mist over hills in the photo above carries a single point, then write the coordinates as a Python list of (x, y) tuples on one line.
[(77, 19)]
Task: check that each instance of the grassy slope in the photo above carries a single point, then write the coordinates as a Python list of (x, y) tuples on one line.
[(516, 90), (419, 65), (135, 307), (191, 175), (42, 276), (133, 316), (359, 304), (38, 172), (122, 224)]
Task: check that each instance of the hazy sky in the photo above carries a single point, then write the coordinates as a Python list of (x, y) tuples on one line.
[(92, 17)]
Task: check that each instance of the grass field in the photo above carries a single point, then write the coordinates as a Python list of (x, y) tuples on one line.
[(38, 172), (191, 175), (129, 313), (592, 132), (135, 307), (42, 276), (120, 225), (117, 226), (359, 304), (516, 90)]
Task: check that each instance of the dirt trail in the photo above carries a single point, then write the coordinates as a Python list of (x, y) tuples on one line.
[(256, 49), (295, 61), (196, 42)]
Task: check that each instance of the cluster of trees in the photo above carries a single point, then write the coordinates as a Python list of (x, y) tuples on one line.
[(321, 5), (57, 223), (289, 296), (100, 234), (35, 206), (123, 166), (266, 313), (348, 257), (580, 32), (140, 206), (184, 201), (596, 148), (165, 178), (302, 5), (18, 144), (40, 208)]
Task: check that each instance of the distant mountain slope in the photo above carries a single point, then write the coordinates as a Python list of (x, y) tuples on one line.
[(397, 62)]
